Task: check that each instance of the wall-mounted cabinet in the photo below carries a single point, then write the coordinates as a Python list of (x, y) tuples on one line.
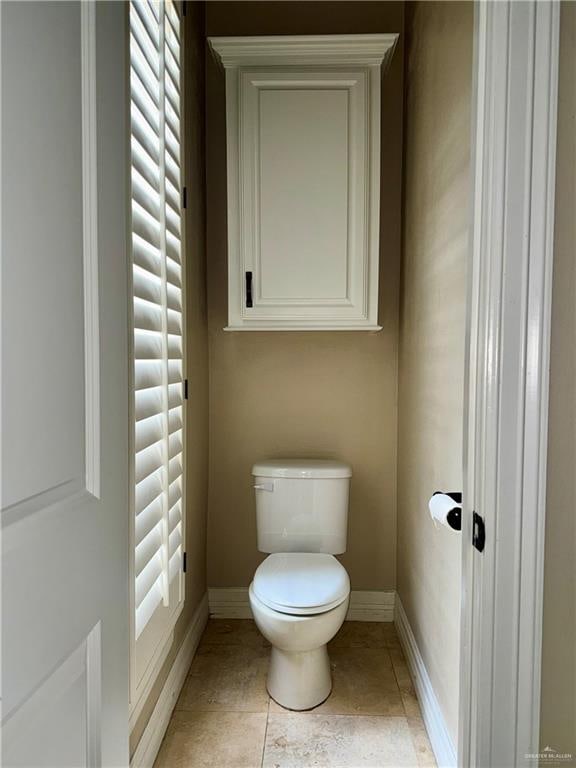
[(303, 136)]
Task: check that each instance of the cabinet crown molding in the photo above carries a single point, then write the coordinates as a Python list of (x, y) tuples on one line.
[(276, 50)]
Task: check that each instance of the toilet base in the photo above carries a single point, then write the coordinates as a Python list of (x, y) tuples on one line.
[(299, 679)]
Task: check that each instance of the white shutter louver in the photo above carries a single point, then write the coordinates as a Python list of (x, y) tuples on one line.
[(157, 315)]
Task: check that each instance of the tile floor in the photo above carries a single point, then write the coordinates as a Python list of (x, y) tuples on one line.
[(224, 717)]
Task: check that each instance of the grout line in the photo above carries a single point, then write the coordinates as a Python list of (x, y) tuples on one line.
[(400, 689), (401, 692), (347, 715), (406, 716), (265, 735), (194, 710)]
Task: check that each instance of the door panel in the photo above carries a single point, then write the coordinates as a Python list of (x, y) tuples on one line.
[(64, 385), (42, 223), (61, 714), (303, 254)]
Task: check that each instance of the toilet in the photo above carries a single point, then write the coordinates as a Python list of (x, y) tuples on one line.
[(299, 595)]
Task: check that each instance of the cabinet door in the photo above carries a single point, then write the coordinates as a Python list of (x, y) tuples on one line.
[(303, 152)]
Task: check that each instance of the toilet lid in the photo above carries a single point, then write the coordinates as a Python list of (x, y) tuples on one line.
[(301, 582)]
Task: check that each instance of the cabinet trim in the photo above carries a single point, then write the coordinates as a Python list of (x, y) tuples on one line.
[(360, 50)]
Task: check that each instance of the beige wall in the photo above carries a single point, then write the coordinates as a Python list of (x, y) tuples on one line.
[(303, 394), (558, 706), (197, 346), (432, 320)]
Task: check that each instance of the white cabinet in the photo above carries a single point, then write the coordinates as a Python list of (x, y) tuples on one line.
[(303, 135)]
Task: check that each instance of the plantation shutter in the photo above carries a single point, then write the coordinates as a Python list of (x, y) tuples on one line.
[(157, 323)]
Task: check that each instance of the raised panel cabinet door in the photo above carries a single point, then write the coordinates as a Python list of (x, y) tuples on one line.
[(303, 165), (303, 146), (64, 435), (301, 188)]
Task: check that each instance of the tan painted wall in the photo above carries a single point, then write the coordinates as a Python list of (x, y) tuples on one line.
[(432, 320), (558, 705), (197, 346), (303, 394)]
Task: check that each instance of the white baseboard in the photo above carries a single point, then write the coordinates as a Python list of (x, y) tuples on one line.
[(149, 744), (233, 603), (431, 712)]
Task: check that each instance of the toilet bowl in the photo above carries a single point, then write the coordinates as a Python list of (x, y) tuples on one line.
[(299, 595), (299, 602)]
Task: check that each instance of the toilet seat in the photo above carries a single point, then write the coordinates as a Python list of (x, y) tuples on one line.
[(301, 583)]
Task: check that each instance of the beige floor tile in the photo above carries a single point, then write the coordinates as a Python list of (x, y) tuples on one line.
[(421, 742), (334, 741), (366, 634), (233, 632), (226, 678), (213, 740), (223, 717), (363, 683)]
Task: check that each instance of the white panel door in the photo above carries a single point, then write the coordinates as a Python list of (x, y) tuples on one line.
[(64, 385)]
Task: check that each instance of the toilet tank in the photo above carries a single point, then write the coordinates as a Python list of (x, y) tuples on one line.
[(302, 505)]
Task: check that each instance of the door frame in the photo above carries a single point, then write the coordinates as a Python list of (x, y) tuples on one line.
[(507, 370)]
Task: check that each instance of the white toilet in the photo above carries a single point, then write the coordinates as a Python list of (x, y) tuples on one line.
[(299, 595)]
